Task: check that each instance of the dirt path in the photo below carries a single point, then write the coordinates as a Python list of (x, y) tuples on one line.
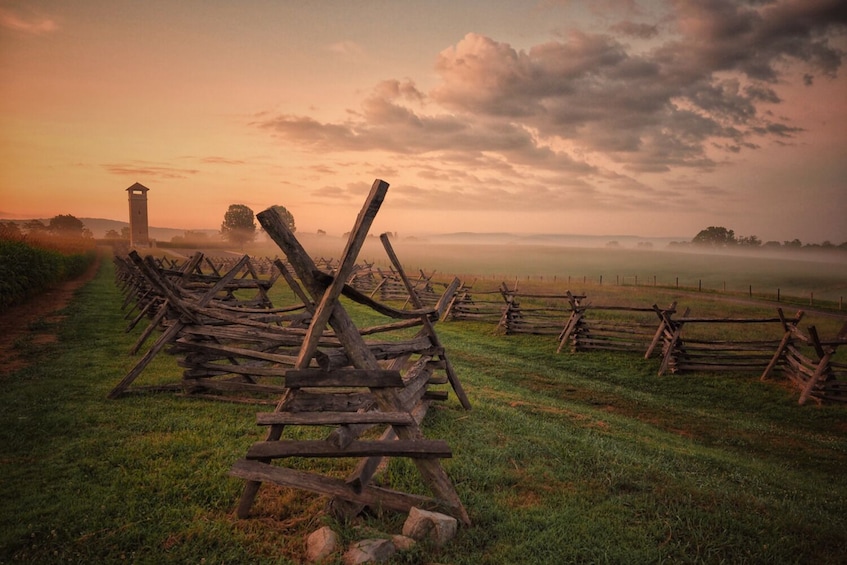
[(23, 322)]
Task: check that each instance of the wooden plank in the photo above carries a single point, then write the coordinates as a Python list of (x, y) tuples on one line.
[(570, 326), (358, 234), (293, 337), (338, 358), (379, 307), (403, 324), (417, 448), (151, 327), (327, 418), (257, 472), (428, 326), (383, 378), (207, 369), (820, 372), (228, 350), (163, 340), (194, 385), (305, 401), (669, 350)]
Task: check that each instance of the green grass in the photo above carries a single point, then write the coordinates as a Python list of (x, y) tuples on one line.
[(585, 458)]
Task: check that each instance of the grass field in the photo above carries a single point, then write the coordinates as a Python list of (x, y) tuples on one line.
[(802, 275), (587, 458)]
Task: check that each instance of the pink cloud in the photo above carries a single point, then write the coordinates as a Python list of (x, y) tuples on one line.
[(34, 25), (141, 169)]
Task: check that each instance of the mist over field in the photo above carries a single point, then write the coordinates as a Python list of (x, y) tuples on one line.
[(571, 267), (565, 261)]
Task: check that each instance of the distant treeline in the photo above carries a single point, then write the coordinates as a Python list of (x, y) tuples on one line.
[(775, 245), (720, 237)]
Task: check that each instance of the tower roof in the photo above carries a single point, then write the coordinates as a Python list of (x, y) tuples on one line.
[(137, 186)]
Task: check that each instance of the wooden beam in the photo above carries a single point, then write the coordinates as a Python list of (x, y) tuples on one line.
[(257, 472), (298, 378), (418, 448), (327, 418), (428, 326)]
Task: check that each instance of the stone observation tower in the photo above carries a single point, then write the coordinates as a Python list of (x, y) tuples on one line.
[(138, 234)]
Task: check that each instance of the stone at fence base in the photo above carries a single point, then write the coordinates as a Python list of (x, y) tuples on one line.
[(369, 551), (422, 524), (403, 543), (320, 544)]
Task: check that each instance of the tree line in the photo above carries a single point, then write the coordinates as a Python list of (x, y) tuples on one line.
[(719, 237), (63, 225), (239, 227)]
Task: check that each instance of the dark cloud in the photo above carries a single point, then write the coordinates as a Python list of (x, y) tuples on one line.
[(779, 130), (632, 29), (722, 35), (384, 124), (652, 110), (502, 123)]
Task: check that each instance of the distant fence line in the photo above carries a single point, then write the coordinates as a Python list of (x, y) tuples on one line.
[(652, 281), (680, 283)]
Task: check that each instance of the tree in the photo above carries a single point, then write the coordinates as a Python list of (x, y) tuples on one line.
[(35, 227), (750, 241), (715, 237), (66, 225), (239, 225), (112, 234), (286, 216), (191, 238), (10, 230)]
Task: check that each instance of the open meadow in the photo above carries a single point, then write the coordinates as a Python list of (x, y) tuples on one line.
[(821, 275), (564, 457)]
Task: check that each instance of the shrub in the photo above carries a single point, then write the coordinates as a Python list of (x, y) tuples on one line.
[(30, 267)]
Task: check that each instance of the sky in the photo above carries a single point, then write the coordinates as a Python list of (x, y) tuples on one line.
[(608, 117)]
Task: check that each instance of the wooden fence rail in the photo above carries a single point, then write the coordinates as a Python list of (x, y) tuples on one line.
[(686, 344)]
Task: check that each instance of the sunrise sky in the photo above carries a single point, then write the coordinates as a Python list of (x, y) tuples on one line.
[(634, 117)]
